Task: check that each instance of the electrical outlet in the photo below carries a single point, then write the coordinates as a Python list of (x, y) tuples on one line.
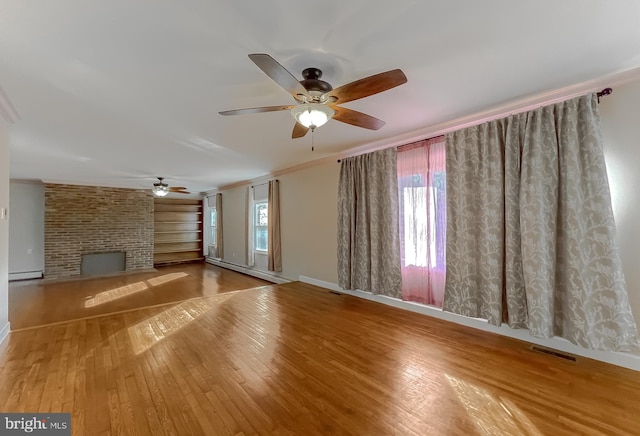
[(3, 213)]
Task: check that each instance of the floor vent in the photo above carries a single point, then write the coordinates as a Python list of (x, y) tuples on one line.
[(553, 353), (334, 292)]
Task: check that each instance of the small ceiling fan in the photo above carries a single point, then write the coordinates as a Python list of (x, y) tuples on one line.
[(161, 189), (317, 101)]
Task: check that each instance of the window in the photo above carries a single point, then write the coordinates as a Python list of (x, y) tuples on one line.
[(422, 203), (213, 226), (261, 219), (423, 208)]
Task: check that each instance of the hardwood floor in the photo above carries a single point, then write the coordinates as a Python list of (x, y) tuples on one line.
[(39, 302), (297, 359)]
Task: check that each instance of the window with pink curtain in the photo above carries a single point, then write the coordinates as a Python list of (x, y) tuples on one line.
[(423, 220)]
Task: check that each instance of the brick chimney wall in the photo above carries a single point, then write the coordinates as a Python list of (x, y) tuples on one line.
[(88, 219)]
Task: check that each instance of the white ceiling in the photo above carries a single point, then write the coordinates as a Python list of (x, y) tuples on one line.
[(110, 92)]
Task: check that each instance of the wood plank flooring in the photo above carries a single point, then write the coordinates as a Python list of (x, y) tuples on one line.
[(39, 302), (295, 359)]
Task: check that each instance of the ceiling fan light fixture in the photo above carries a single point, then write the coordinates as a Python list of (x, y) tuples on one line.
[(160, 190), (312, 115)]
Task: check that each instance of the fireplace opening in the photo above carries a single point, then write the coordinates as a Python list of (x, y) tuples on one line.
[(94, 264)]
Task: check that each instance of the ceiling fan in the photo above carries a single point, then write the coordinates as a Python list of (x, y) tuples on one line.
[(317, 101), (161, 189)]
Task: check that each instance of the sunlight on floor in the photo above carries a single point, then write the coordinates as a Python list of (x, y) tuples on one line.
[(114, 294), (149, 332), (124, 291), (157, 281), (490, 415)]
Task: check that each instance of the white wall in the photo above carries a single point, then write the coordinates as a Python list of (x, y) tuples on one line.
[(621, 137), (4, 231), (309, 222), (308, 218), (234, 225), (26, 233)]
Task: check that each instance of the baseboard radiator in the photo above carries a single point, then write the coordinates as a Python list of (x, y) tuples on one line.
[(248, 271), (25, 275)]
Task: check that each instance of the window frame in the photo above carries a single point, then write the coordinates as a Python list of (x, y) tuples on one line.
[(213, 217), (257, 205)]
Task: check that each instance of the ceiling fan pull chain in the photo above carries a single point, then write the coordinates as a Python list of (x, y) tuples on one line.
[(312, 141)]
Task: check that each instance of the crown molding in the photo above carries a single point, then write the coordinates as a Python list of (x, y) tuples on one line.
[(89, 184)]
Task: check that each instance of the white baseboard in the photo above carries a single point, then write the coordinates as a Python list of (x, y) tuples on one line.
[(625, 360), (25, 275), (248, 270), (4, 332)]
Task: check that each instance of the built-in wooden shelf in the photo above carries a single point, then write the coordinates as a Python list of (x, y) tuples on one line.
[(179, 222), (178, 241), (173, 251), (178, 231)]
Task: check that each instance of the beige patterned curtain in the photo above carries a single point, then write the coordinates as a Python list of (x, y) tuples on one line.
[(530, 231), (274, 254), (368, 239), (219, 241)]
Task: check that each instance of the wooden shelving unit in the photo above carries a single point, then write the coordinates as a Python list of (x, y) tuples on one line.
[(177, 231)]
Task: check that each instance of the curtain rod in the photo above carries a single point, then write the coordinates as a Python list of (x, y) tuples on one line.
[(433, 138), (605, 91), (427, 140), (265, 183)]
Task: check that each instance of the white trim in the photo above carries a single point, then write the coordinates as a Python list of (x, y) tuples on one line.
[(25, 275), (86, 183), (250, 255), (248, 270), (626, 360), (210, 251), (4, 332), (192, 196)]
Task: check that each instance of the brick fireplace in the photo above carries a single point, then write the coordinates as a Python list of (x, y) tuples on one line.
[(82, 220)]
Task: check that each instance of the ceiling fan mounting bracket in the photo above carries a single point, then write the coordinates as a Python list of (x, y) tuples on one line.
[(312, 82), (160, 182)]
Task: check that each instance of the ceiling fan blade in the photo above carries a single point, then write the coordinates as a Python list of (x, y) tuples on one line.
[(279, 74), (368, 86), (255, 110), (177, 188), (356, 118), (179, 191), (299, 131)]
